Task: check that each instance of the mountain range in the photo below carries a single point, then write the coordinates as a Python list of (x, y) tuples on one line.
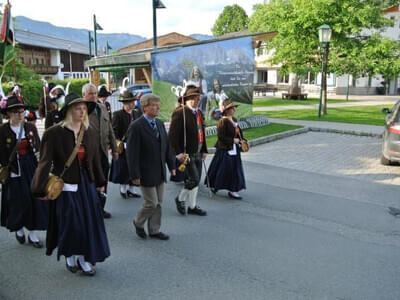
[(115, 40)]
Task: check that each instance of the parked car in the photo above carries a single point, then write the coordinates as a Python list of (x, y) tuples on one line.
[(391, 135), (137, 88)]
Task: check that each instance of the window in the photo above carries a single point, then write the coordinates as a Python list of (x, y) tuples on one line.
[(283, 78), (262, 76)]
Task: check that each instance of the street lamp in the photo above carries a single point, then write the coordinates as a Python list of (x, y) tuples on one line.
[(325, 33), (156, 4), (70, 61), (96, 27)]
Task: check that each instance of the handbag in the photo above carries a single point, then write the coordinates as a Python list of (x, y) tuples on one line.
[(55, 184), (243, 144), (5, 171)]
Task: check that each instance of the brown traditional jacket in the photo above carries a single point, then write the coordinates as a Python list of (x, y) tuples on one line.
[(100, 121), (226, 134), (175, 134), (57, 145), (8, 139)]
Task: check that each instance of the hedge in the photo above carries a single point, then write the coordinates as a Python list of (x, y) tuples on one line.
[(33, 90)]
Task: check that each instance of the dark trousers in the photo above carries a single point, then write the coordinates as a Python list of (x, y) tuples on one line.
[(193, 171), (105, 165)]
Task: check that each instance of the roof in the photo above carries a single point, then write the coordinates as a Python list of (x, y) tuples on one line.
[(393, 8), (172, 38), (24, 37), (141, 58)]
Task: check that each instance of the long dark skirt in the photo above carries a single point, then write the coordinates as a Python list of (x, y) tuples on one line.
[(19, 207), (80, 223), (119, 170), (226, 172)]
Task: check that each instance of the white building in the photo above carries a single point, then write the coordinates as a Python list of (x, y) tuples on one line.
[(269, 74)]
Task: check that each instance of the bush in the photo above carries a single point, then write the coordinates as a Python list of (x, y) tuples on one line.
[(33, 90)]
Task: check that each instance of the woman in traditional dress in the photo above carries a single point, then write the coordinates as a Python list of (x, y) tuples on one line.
[(76, 225), (120, 122), (226, 170), (19, 145)]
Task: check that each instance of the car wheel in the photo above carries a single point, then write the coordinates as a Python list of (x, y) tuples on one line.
[(385, 161)]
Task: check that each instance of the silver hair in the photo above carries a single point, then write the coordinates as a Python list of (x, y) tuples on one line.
[(147, 99), (86, 86)]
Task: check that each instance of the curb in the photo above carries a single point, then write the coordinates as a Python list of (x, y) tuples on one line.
[(282, 135), (270, 138), (344, 131)]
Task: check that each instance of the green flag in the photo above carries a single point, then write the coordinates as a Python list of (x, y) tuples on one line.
[(7, 40)]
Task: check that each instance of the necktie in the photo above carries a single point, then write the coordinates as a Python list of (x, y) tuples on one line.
[(154, 127)]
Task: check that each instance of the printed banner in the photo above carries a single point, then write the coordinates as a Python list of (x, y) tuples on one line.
[(222, 69)]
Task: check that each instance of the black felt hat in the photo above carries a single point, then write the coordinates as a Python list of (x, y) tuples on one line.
[(72, 99)]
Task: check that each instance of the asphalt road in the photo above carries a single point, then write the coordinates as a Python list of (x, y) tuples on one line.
[(299, 233)]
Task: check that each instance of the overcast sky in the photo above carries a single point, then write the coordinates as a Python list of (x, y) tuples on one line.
[(130, 16)]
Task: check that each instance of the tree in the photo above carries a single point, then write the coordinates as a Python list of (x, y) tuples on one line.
[(297, 46), (233, 18)]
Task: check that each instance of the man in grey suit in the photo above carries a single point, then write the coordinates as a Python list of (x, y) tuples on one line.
[(100, 121), (148, 151)]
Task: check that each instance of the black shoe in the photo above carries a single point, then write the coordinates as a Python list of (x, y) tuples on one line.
[(87, 273), (180, 206), (140, 231), (196, 211), (160, 236), (37, 244), (133, 195), (123, 195), (20, 239), (234, 196), (106, 215), (72, 269)]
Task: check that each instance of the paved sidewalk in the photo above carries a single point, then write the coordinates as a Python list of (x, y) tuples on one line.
[(330, 105)]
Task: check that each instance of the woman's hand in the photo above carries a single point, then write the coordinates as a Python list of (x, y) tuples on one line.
[(100, 189)]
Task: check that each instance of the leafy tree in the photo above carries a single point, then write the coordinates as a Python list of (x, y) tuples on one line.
[(297, 46), (233, 18)]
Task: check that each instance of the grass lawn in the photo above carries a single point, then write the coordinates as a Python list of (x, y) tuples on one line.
[(253, 133), (370, 115), (278, 102)]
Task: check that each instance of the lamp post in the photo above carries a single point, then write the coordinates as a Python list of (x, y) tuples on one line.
[(325, 33), (96, 27), (70, 61), (90, 44), (156, 4)]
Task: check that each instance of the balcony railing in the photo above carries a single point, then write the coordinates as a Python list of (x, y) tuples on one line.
[(42, 69)]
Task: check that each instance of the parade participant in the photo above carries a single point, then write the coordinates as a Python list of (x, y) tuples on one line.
[(45, 104), (187, 138), (19, 145), (31, 117), (56, 95), (103, 94), (148, 152), (76, 225), (100, 121), (120, 123), (226, 170)]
